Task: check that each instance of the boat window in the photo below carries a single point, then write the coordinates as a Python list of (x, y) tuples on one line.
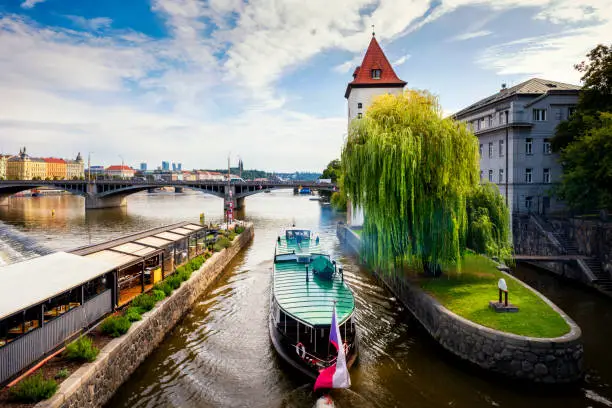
[(298, 234)]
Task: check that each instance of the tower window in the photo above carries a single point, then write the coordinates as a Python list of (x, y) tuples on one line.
[(376, 73), (359, 115), (359, 105)]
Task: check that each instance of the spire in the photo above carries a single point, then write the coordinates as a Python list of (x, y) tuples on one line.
[(373, 32), (375, 70)]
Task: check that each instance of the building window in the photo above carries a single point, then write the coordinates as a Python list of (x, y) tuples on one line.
[(359, 105), (546, 175), (501, 118), (528, 202), (528, 173), (376, 73), (539, 115), (359, 115), (480, 150), (501, 175), (491, 176), (489, 121), (481, 124), (570, 111), (547, 148), (529, 146), (490, 149), (501, 148), (480, 175)]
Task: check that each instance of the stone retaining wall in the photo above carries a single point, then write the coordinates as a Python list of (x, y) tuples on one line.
[(93, 384), (557, 360)]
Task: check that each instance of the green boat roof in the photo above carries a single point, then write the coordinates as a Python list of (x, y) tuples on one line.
[(292, 246), (311, 302)]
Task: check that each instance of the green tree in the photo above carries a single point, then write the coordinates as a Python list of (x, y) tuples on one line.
[(411, 171), (587, 167), (595, 96), (333, 171)]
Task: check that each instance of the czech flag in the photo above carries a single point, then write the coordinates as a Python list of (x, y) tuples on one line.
[(336, 375)]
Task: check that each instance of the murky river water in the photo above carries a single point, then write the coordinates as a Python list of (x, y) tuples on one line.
[(219, 355)]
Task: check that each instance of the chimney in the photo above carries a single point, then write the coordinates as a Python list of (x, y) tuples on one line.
[(503, 87)]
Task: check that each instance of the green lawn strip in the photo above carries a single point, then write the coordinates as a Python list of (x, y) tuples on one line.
[(357, 231), (468, 292)]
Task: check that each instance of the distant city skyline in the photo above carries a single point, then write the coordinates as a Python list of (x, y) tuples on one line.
[(263, 80)]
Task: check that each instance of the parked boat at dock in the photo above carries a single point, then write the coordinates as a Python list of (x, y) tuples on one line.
[(306, 284)]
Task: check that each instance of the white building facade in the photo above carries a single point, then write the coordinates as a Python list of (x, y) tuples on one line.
[(374, 77), (514, 128)]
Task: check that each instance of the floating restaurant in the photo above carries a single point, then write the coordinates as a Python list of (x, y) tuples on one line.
[(46, 301)]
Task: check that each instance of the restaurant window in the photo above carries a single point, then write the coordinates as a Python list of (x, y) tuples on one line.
[(501, 148), (528, 174), (491, 176), (546, 146), (62, 303), (11, 328), (96, 286), (539, 115), (546, 176), (529, 146)]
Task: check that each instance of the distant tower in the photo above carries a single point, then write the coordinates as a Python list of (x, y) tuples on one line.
[(240, 167), (374, 77), (179, 167), (173, 166), (143, 166)]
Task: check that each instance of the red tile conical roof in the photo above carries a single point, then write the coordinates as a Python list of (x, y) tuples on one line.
[(374, 58)]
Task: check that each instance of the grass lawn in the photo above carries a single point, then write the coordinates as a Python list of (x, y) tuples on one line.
[(357, 231), (468, 292)]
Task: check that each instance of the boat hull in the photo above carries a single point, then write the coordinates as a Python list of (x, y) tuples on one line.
[(288, 354)]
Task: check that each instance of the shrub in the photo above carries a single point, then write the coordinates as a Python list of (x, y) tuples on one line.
[(63, 373), (81, 349), (174, 281), (184, 275), (158, 294), (239, 229), (164, 287), (115, 326), (144, 301), (133, 314), (231, 236), (224, 242), (33, 389)]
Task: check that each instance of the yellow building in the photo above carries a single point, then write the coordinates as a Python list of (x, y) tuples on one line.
[(75, 169), (23, 167), (56, 168)]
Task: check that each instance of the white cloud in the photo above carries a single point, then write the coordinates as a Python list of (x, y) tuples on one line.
[(27, 4), (400, 60), (348, 65), (93, 24), (470, 35)]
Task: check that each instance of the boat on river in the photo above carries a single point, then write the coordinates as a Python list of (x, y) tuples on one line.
[(306, 284)]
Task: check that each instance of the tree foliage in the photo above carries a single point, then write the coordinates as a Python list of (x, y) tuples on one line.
[(332, 171), (488, 222), (411, 171)]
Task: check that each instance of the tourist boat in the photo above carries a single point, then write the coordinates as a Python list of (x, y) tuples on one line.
[(306, 284)]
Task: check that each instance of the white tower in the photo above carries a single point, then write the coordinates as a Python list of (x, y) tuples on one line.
[(375, 76)]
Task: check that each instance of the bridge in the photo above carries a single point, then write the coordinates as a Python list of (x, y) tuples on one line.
[(113, 193)]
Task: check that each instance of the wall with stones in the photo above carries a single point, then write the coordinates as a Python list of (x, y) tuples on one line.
[(94, 383), (530, 240), (557, 360)]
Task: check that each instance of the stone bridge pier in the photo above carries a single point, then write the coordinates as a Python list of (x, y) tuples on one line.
[(4, 199), (94, 201)]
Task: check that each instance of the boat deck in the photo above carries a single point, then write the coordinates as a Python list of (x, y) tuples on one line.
[(311, 301)]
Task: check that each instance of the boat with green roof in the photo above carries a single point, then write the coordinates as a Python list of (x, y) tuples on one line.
[(306, 283)]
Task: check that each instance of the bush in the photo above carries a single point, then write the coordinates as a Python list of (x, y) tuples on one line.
[(115, 326), (81, 349), (144, 301), (164, 287), (133, 314), (222, 242), (158, 294), (239, 229), (33, 389), (174, 281), (184, 275), (231, 236), (63, 373)]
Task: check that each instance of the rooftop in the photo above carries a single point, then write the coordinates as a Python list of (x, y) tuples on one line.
[(533, 86)]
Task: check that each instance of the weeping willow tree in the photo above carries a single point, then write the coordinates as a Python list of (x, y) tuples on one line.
[(411, 171)]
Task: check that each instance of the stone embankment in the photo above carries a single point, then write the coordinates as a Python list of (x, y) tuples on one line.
[(543, 360), (94, 383)]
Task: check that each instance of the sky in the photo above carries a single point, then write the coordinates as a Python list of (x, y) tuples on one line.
[(197, 81)]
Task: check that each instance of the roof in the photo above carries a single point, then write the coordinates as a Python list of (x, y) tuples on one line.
[(54, 160), (311, 301), (30, 282), (170, 236), (374, 58), (116, 259), (533, 86), (118, 167)]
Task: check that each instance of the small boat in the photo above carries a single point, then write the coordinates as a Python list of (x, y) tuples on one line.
[(315, 198), (267, 190), (306, 284), (304, 190)]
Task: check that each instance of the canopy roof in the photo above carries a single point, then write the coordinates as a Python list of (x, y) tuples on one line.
[(154, 242), (116, 259), (170, 236), (182, 231), (311, 302), (30, 282)]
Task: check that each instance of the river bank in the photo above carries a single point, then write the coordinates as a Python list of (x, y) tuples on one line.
[(94, 383)]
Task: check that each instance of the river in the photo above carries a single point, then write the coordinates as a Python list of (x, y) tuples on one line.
[(220, 355)]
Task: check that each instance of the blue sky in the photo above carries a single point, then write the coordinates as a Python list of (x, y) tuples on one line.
[(194, 81)]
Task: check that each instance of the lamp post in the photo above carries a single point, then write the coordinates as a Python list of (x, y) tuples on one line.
[(121, 157), (89, 166)]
